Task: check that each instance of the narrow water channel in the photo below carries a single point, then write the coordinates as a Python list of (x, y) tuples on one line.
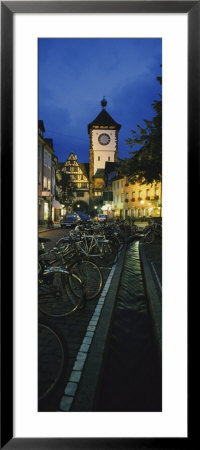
[(131, 380)]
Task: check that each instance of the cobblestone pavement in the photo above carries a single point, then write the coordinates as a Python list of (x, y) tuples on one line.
[(71, 330)]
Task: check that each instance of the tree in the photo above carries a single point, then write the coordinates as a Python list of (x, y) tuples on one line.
[(66, 190), (145, 164)]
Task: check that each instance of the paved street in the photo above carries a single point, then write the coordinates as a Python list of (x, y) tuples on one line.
[(54, 235)]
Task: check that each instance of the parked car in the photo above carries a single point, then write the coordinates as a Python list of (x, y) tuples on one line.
[(70, 220), (102, 217), (85, 218)]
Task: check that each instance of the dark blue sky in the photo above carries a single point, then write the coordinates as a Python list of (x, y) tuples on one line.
[(75, 74)]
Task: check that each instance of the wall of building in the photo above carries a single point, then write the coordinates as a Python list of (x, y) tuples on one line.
[(136, 199), (103, 153)]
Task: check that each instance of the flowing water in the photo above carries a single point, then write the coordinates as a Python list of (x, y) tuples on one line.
[(131, 380)]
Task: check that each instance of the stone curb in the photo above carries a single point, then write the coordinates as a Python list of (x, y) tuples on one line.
[(48, 229), (155, 305), (88, 385)]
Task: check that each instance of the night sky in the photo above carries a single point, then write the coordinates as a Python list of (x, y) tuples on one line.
[(74, 76)]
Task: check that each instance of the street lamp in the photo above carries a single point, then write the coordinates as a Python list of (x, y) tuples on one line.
[(142, 203)]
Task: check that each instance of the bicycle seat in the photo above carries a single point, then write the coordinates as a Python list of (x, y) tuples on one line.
[(41, 239)]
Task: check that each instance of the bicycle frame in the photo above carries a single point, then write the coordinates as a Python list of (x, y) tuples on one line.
[(89, 243)]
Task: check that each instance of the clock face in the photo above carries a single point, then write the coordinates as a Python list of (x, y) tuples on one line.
[(104, 139)]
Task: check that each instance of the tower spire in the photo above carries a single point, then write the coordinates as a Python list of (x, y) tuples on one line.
[(103, 102)]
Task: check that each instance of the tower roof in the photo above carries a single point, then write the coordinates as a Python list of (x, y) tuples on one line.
[(104, 119)]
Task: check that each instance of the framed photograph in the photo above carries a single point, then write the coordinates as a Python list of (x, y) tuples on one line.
[(160, 40)]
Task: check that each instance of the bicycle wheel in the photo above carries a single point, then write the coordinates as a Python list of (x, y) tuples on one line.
[(109, 255), (149, 238), (115, 242), (63, 242), (91, 277), (51, 358), (55, 296)]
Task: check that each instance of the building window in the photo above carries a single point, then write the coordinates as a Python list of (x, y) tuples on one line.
[(108, 158), (122, 197), (46, 210), (122, 184), (45, 183), (47, 159), (133, 212), (133, 194), (99, 159), (49, 184)]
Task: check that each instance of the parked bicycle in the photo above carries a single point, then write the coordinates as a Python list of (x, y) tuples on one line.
[(71, 278), (55, 294), (52, 366), (152, 232)]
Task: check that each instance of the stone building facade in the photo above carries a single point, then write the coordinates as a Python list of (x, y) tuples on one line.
[(47, 162), (78, 182), (135, 199), (103, 133)]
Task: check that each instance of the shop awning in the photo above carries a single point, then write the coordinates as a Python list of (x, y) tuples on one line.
[(56, 204)]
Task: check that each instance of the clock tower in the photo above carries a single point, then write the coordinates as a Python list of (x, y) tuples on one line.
[(103, 132)]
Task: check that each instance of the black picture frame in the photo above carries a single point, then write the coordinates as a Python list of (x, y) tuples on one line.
[(8, 9)]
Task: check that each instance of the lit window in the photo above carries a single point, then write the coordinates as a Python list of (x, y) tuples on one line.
[(45, 182), (46, 211)]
